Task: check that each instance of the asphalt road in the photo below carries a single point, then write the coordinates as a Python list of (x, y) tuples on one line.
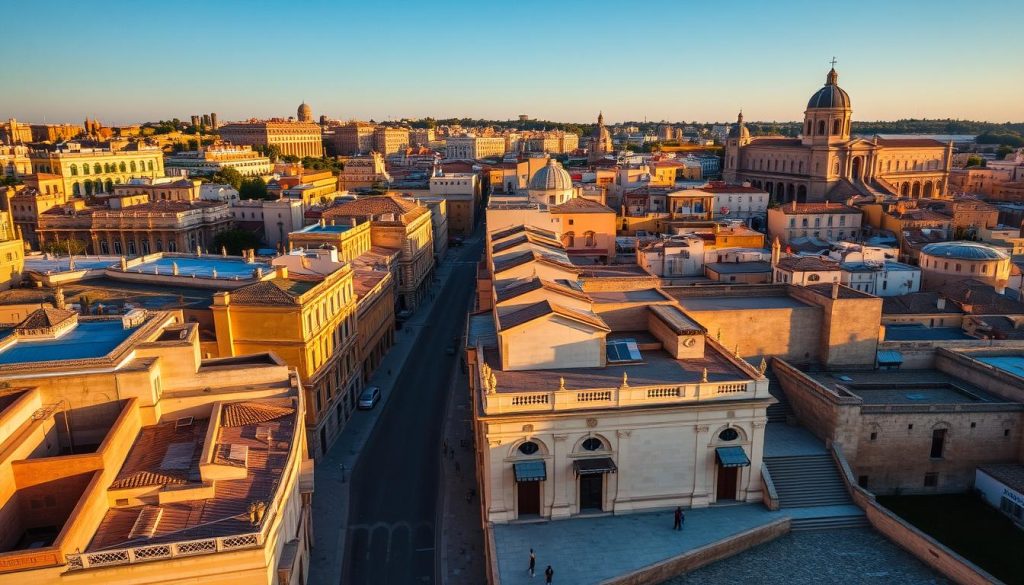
[(394, 493)]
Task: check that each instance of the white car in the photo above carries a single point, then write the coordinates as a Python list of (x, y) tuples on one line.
[(369, 397)]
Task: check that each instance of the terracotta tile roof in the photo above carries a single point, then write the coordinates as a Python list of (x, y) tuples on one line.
[(807, 264), (919, 303), (239, 414), (224, 514), (522, 287), (524, 238), (279, 291), (545, 307), (46, 317), (816, 208), (581, 205), (977, 298), (375, 206)]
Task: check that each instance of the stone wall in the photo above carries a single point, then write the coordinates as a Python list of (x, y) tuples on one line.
[(990, 378), (704, 555), (831, 417)]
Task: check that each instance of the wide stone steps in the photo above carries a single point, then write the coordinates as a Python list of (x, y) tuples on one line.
[(828, 523), (807, 480)]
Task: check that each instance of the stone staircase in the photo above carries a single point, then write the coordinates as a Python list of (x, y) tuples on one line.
[(813, 481), (781, 410)]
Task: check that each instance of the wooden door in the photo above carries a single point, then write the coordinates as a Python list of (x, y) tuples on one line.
[(591, 492), (726, 488), (529, 498)]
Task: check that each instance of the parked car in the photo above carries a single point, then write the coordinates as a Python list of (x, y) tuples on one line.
[(369, 397)]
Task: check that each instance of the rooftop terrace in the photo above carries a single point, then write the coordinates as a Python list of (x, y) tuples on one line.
[(202, 267), (89, 339), (905, 387)]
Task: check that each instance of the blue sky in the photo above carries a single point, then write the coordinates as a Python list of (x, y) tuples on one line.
[(561, 60)]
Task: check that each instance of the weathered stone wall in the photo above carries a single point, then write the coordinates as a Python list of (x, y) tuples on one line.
[(831, 417)]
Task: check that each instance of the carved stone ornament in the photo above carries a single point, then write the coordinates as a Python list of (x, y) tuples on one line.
[(527, 428), (591, 423)]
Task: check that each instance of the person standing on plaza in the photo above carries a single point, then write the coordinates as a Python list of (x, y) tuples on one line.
[(548, 574), (533, 562), (678, 523)]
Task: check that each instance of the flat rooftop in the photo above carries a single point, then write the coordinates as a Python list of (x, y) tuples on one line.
[(88, 339), (167, 456), (656, 367), (917, 332), (326, 229), (646, 295), (45, 265), (227, 268), (906, 387), (1011, 364), (739, 267), (732, 303)]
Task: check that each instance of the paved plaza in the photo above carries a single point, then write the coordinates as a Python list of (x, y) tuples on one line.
[(852, 556)]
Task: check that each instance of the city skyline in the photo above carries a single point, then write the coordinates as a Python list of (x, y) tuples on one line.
[(707, 64)]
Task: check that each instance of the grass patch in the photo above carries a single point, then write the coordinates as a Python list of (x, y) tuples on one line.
[(969, 526)]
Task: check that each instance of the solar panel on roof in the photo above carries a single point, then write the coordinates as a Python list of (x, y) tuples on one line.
[(634, 351)]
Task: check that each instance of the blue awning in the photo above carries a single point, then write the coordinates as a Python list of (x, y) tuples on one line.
[(889, 358), (732, 457), (534, 470)]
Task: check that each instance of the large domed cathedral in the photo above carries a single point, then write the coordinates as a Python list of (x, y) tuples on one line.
[(825, 164)]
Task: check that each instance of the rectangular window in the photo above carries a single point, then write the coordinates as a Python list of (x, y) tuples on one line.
[(938, 443), (931, 479), (874, 436)]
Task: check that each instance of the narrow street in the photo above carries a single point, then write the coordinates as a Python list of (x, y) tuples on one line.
[(394, 496)]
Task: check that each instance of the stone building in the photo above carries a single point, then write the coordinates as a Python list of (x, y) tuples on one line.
[(462, 192), (600, 141), (309, 321), (293, 138), (14, 161), (212, 159), (136, 228), (612, 401), (133, 458), (827, 163), (822, 221), (400, 224), (352, 139), (389, 139), (91, 171), (362, 172), (946, 262)]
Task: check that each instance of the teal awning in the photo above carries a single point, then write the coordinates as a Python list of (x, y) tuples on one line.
[(889, 358), (530, 470), (732, 457), (594, 466)]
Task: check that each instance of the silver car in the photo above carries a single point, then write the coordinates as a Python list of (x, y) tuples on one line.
[(369, 397)]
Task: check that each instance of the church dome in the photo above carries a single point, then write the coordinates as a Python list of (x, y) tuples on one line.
[(305, 112), (830, 96), (551, 178), (963, 250)]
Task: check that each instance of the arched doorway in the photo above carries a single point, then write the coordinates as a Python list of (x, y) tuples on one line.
[(801, 193), (928, 188), (857, 168), (916, 191), (905, 189), (780, 192), (791, 192)]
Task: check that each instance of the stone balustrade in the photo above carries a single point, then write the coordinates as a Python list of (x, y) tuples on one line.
[(156, 552), (623, 396)]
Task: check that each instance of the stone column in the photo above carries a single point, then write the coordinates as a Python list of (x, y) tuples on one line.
[(753, 483), (560, 478), (701, 488)]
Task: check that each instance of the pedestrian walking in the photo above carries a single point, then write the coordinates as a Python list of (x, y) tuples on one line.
[(682, 518), (533, 562), (678, 522), (548, 574)]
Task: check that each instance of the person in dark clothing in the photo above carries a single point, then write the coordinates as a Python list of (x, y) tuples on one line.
[(533, 562), (548, 574), (678, 523)]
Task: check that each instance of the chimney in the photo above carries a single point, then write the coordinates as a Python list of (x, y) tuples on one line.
[(835, 290), (940, 303)]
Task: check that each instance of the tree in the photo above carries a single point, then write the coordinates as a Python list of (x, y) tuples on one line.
[(254, 188), (228, 176), (975, 161), (66, 247), (1002, 151), (235, 241), (290, 158)]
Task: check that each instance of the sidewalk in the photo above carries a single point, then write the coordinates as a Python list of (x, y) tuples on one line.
[(461, 542), (332, 473)]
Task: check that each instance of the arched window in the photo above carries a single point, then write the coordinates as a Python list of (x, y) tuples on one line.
[(133, 167), (96, 168), (592, 444), (813, 278), (124, 169), (808, 131), (110, 186), (151, 165), (74, 170), (88, 187), (835, 126), (528, 448), (569, 239), (821, 127), (76, 189), (85, 169), (728, 434)]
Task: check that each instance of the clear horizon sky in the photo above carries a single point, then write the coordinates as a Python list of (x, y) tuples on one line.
[(126, 62)]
